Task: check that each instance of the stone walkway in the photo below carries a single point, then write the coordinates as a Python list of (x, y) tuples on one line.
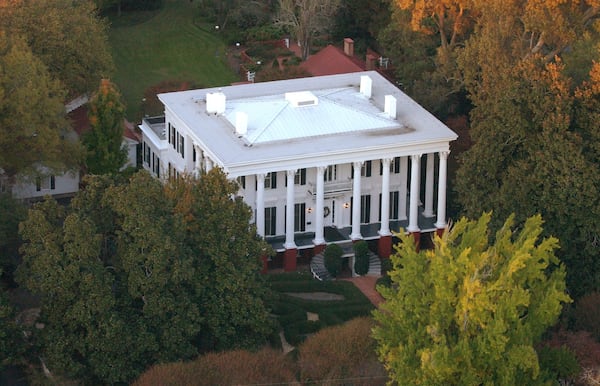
[(366, 284)]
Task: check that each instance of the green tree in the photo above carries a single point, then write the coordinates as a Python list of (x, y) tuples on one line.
[(11, 342), (469, 311), (67, 36), (134, 273), (228, 250), (12, 212), (106, 153), (33, 126)]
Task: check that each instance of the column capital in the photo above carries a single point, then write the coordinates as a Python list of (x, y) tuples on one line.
[(386, 161), (321, 169), (444, 154), (291, 172), (358, 164), (261, 176), (415, 157)]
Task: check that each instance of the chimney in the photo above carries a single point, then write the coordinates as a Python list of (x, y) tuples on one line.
[(215, 103), (241, 123), (366, 84), (370, 63), (390, 106), (349, 47)]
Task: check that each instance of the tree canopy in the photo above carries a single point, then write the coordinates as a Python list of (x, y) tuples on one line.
[(33, 126), (67, 36), (104, 142), (135, 273), (469, 311)]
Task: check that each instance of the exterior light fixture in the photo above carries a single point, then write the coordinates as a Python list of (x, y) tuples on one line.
[(346, 205)]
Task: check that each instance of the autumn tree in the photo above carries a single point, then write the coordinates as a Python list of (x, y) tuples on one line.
[(67, 36), (305, 19), (531, 151), (104, 142), (33, 126), (471, 310), (135, 273)]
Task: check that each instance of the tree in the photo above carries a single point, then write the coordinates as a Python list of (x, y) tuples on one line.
[(533, 150), (470, 310), (305, 19), (104, 142), (11, 342), (134, 273), (33, 126), (67, 36), (219, 234), (12, 212), (361, 20)]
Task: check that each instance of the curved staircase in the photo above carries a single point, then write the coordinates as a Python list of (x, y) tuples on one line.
[(319, 271)]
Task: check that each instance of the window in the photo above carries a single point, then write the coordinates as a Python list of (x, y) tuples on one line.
[(156, 165), (45, 183), (270, 221), (242, 181), (300, 217), (395, 167), (194, 154), (300, 177), (180, 145), (394, 208), (172, 136), (330, 173), (146, 154), (365, 209), (271, 180), (365, 170)]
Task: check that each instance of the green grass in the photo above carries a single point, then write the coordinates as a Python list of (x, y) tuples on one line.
[(165, 45), (291, 311)]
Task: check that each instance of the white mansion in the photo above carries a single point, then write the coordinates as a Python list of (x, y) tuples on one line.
[(319, 160)]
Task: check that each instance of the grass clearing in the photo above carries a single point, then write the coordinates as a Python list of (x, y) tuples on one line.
[(291, 311), (168, 44)]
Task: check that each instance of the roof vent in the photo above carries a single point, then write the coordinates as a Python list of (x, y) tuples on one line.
[(390, 106), (366, 85), (241, 123), (215, 102), (301, 98)]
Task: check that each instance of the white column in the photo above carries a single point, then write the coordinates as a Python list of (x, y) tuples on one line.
[(441, 211), (403, 190), (415, 174), (355, 235), (428, 212), (319, 235), (198, 163), (384, 230), (289, 215), (209, 164), (260, 204)]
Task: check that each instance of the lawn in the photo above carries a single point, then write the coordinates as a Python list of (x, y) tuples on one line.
[(291, 311), (167, 45)]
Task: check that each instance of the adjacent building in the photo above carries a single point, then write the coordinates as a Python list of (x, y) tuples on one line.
[(334, 158)]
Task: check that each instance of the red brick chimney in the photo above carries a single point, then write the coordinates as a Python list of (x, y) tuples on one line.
[(349, 47)]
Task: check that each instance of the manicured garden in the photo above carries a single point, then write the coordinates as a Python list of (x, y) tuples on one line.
[(291, 311), (171, 44)]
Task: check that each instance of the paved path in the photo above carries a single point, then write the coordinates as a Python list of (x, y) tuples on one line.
[(366, 284)]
